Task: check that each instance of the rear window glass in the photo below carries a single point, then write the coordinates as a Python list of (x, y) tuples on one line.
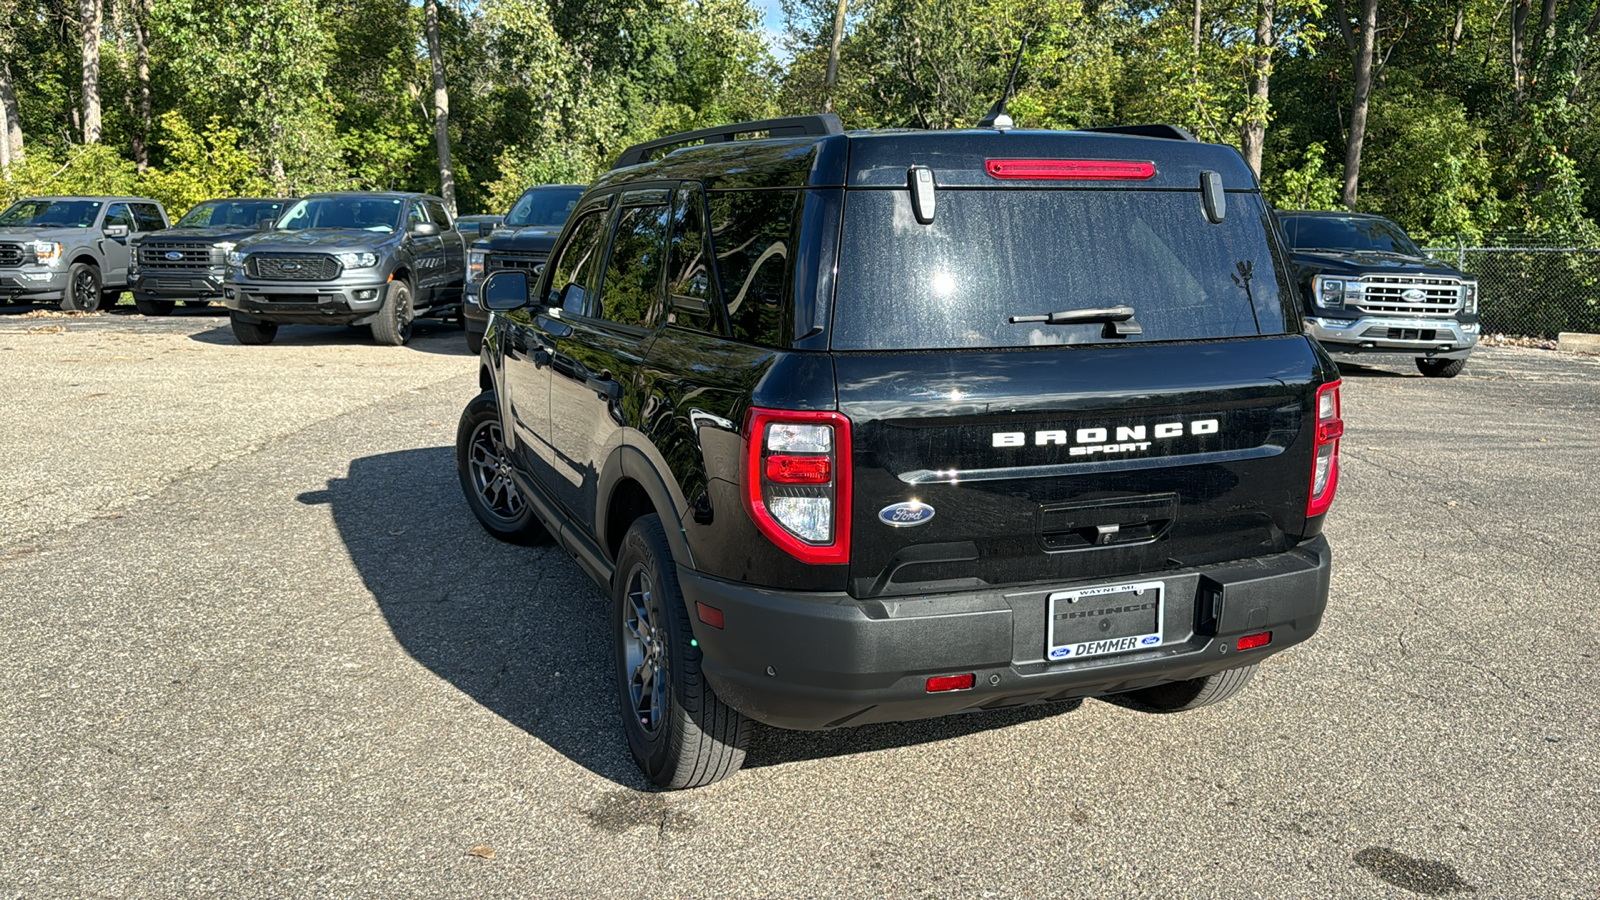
[(992, 255)]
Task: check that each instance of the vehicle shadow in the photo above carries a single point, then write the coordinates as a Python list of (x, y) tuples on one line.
[(523, 632), (1357, 370), (427, 336)]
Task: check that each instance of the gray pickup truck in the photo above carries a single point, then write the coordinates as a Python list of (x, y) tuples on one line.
[(187, 261), (75, 250), (348, 258)]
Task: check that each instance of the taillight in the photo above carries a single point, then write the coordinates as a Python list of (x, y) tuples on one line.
[(1071, 169), (797, 482), (1325, 464)]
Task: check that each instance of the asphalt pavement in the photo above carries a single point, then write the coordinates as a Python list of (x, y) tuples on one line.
[(252, 643)]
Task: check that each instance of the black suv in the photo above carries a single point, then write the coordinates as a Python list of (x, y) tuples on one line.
[(1370, 290), (522, 241), (866, 427), (188, 261), (379, 259)]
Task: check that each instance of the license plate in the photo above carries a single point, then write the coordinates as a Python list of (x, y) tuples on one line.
[(1099, 621)]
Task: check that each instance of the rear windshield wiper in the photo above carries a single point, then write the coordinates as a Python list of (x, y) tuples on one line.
[(1118, 320)]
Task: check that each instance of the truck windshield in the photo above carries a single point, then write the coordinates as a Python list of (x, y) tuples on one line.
[(1346, 233), (248, 213), (361, 213), (990, 255), (543, 206), (51, 214)]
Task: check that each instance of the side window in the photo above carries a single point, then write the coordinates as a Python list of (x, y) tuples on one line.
[(690, 291), (148, 217), (439, 215), (629, 294), (118, 215), (575, 270), (751, 236)]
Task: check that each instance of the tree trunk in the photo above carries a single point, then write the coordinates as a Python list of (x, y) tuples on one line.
[(1519, 27), (89, 14), (441, 105), (11, 126), (1366, 46), (1255, 120), (833, 57), (141, 130)]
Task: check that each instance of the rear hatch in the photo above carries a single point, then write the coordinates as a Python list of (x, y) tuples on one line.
[(989, 453)]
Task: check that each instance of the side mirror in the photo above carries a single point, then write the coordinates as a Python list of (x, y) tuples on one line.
[(424, 229), (505, 290), (116, 231)]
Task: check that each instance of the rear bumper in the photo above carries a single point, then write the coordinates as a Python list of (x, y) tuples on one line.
[(1445, 338), (813, 661)]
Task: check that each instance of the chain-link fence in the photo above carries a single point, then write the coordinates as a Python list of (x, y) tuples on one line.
[(1534, 285)]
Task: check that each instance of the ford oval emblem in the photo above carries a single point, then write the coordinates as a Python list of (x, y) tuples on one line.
[(905, 515), (174, 255), (1415, 295)]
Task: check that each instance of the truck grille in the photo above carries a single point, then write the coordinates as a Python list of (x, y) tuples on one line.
[(1386, 295), (532, 263), (156, 255), (11, 255), (286, 267)]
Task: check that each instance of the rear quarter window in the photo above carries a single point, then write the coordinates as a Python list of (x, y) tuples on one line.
[(990, 255), (752, 236)]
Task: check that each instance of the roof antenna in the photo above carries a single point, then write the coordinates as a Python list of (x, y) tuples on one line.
[(997, 118)]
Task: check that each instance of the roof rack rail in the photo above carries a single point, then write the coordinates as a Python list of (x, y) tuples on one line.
[(792, 126), (1170, 132)]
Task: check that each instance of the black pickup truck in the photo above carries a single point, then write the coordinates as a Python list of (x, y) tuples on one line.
[(1370, 290), (521, 241), (187, 262), (876, 426)]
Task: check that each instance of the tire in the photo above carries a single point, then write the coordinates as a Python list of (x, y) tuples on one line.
[(475, 341), (83, 288), (1440, 368), (149, 307), (249, 332), (680, 734), (1182, 696), (393, 324), (485, 475)]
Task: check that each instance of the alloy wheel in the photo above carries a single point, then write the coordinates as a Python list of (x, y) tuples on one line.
[(644, 642), (491, 473)]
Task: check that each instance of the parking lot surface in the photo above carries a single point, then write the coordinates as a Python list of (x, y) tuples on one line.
[(252, 643)]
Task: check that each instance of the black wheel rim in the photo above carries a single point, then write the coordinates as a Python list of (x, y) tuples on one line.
[(402, 314), (644, 653), (85, 292), (491, 474)]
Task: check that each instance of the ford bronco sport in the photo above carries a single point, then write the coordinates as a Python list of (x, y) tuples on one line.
[(877, 426), (1370, 290)]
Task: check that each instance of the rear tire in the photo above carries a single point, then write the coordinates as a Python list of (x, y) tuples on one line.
[(680, 734), (1182, 696), (149, 307), (83, 288), (1440, 368), (249, 332), (485, 473), (393, 324)]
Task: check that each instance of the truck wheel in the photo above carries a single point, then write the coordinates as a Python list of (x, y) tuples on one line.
[(1440, 368), (393, 324), (485, 473), (680, 734), (83, 288), (475, 341), (1181, 696), (249, 332), (149, 307)]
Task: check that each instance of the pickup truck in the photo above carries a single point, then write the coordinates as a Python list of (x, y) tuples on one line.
[(74, 250)]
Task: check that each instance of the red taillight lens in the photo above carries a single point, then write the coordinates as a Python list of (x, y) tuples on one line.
[(1325, 459), (796, 482), (1252, 641), (951, 683), (1071, 169)]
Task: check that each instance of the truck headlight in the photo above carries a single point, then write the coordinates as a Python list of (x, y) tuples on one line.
[(1469, 297), (47, 253), (1329, 292), (475, 266), (237, 258), (358, 259)]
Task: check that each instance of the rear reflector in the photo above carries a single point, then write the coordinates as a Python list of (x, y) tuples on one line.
[(940, 683), (1071, 169), (799, 469), (1250, 642), (709, 614)]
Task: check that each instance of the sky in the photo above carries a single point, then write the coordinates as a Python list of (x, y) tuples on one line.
[(771, 23)]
